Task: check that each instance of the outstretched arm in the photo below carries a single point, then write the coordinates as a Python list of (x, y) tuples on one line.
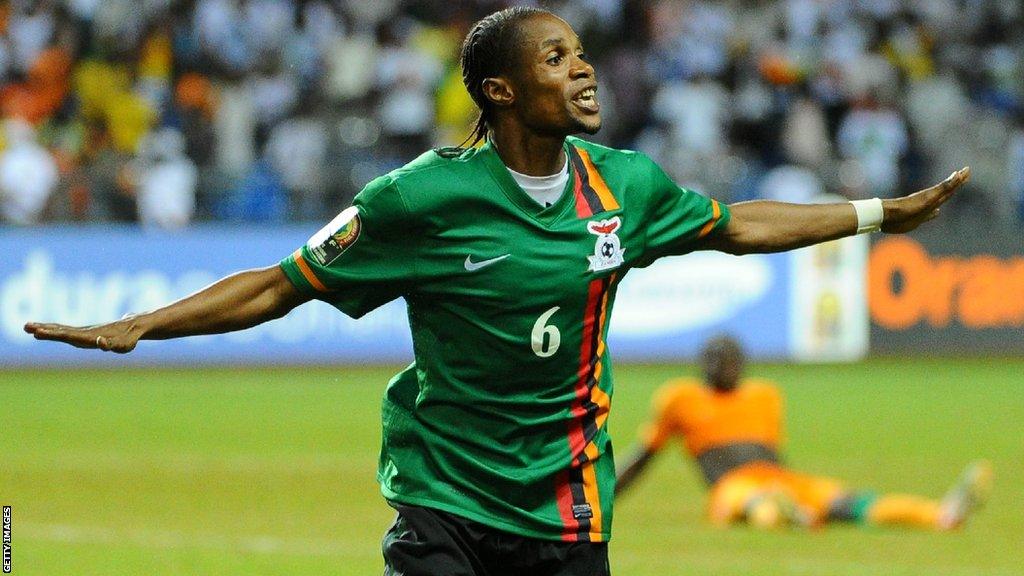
[(635, 465), (765, 226), (236, 302)]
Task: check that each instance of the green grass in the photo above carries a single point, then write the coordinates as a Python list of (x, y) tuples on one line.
[(256, 471)]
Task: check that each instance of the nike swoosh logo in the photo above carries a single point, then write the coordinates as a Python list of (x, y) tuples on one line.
[(474, 266)]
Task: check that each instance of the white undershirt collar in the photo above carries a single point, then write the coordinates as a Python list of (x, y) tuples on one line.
[(545, 190)]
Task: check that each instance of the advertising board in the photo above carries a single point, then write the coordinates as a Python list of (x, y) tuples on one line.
[(947, 292), (807, 304)]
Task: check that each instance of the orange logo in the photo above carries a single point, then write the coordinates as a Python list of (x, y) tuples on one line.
[(906, 285)]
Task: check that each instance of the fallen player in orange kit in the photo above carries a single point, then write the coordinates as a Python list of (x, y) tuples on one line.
[(732, 427)]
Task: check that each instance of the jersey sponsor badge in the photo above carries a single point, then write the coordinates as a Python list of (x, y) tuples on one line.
[(332, 240), (608, 250)]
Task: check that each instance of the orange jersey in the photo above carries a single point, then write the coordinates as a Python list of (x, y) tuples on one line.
[(707, 419), (719, 429)]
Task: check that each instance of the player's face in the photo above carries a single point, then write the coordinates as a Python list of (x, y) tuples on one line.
[(556, 89)]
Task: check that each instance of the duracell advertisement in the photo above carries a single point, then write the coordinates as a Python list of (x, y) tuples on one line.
[(944, 291)]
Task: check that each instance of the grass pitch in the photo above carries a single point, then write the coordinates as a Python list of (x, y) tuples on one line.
[(271, 471)]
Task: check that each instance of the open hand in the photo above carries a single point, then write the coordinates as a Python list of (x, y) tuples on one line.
[(907, 213), (120, 336)]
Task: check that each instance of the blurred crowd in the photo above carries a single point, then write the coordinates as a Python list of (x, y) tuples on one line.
[(169, 112)]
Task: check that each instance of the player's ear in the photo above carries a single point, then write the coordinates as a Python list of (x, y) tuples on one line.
[(499, 91)]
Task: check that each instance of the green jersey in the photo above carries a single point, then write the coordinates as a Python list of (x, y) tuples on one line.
[(502, 416)]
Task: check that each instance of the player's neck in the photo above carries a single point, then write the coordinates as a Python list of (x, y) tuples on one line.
[(529, 154)]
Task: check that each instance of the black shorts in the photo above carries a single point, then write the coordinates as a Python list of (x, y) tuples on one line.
[(429, 542)]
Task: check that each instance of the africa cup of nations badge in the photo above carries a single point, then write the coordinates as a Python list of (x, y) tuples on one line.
[(332, 240), (607, 251)]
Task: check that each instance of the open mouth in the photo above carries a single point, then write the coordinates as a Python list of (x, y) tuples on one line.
[(587, 100)]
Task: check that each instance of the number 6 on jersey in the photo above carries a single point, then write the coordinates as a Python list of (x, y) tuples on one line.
[(540, 329)]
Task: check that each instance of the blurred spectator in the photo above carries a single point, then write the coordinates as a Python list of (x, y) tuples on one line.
[(1016, 165), (875, 136), (44, 89), (406, 79), (235, 125), (789, 183), (30, 26), (274, 92), (259, 196), (164, 181), (28, 175), (696, 112), (196, 103), (104, 169), (297, 150), (804, 134)]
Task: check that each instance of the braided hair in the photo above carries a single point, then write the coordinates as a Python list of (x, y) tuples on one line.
[(488, 51)]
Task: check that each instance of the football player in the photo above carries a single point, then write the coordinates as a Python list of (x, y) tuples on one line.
[(732, 427)]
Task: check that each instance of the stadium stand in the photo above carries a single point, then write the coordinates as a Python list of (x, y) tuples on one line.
[(277, 110)]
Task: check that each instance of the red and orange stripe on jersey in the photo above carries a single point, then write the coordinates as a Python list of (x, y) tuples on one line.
[(578, 486)]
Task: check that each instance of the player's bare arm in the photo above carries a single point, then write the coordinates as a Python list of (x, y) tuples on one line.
[(632, 469), (236, 302), (764, 226)]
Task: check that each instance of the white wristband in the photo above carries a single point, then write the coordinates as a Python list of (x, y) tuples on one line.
[(869, 214)]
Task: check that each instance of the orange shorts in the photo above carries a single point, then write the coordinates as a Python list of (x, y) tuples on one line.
[(731, 494)]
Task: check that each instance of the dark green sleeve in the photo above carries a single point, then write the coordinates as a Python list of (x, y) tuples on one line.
[(363, 258), (675, 218)]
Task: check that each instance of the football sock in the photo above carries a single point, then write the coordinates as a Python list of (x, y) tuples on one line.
[(903, 510)]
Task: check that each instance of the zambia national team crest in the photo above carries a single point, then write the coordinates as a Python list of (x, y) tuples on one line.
[(608, 251), (332, 240)]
